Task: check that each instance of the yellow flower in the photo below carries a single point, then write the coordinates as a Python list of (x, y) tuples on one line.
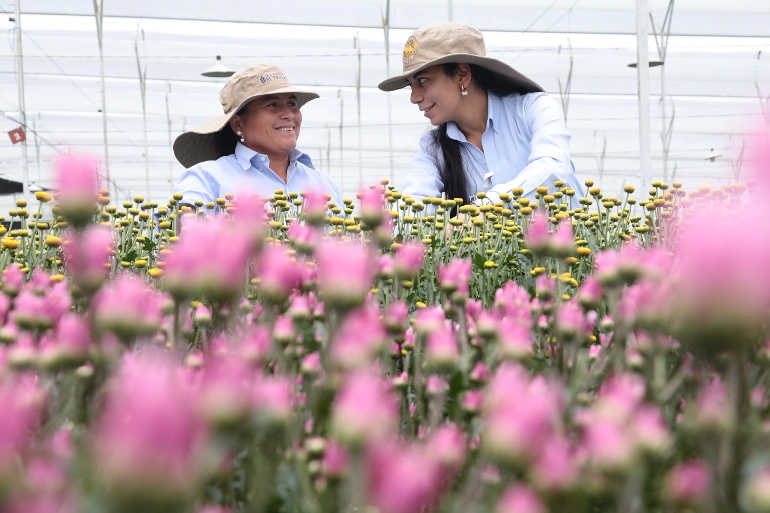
[(10, 243), (583, 251), (489, 264), (155, 272), (43, 196), (52, 240), (140, 264), (56, 277)]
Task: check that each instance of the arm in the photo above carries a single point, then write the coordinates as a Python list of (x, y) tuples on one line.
[(423, 179), (549, 158)]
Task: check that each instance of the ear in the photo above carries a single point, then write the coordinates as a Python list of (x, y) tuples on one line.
[(235, 123), (464, 74)]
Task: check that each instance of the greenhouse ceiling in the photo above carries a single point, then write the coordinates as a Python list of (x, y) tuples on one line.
[(716, 70)]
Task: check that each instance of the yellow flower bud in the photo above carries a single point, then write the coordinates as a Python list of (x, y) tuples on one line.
[(10, 243), (43, 196), (52, 241)]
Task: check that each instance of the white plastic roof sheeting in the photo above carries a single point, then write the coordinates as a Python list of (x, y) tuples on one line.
[(712, 80)]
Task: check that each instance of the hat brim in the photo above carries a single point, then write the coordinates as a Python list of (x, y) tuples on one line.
[(507, 75), (214, 138)]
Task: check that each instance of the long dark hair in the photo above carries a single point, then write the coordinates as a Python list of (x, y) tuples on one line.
[(452, 172)]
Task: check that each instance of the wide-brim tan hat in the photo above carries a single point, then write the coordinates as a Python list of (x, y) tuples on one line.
[(447, 42), (215, 138)]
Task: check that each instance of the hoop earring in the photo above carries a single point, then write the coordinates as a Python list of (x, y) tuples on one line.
[(464, 91), (243, 139)]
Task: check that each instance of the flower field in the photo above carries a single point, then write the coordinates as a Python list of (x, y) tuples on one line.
[(577, 352)]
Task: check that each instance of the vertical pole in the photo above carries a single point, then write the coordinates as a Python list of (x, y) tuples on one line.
[(450, 10), (170, 144), (22, 107), (386, 28), (342, 167), (37, 149), (643, 76), (98, 4), (358, 101), (143, 90), (329, 149)]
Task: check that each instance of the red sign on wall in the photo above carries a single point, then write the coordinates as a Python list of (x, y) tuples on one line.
[(17, 135)]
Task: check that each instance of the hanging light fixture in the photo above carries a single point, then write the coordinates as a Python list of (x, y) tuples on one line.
[(218, 69), (712, 156), (653, 64)]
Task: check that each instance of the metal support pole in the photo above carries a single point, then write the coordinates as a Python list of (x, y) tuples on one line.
[(662, 35), (358, 101), (450, 10), (643, 77), (342, 167), (143, 90), (22, 107), (170, 144), (98, 5), (37, 149), (386, 29)]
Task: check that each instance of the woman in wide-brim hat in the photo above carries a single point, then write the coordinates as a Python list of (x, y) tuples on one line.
[(253, 146), (497, 129)]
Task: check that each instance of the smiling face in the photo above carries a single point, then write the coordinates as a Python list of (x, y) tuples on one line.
[(270, 125), (437, 94)]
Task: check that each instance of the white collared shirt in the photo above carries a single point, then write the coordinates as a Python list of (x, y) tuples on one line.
[(526, 144), (245, 170)]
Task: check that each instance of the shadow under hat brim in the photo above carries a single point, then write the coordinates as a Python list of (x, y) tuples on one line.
[(507, 76), (214, 138)]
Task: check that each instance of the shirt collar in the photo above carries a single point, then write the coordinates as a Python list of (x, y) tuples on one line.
[(245, 155), (493, 109)]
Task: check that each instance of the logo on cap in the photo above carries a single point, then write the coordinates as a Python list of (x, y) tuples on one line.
[(272, 76), (410, 50)]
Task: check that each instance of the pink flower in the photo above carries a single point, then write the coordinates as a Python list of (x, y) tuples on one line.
[(688, 483), (224, 398), (274, 399), (372, 206), (609, 446), (255, 344), (429, 319), (314, 208), (479, 373), (448, 445), (209, 260), (650, 431), (78, 184), (149, 441), (515, 340), (555, 468), (712, 407), (70, 346), (541, 242), (128, 308), (87, 257), (401, 479), (335, 461), (758, 490), (571, 322), (345, 274), (302, 237), (278, 273), (590, 293), (519, 498), (21, 403), (248, 212), (409, 259), (360, 338), (13, 279), (442, 353), (364, 409), (455, 277), (473, 401), (396, 318), (30, 312)]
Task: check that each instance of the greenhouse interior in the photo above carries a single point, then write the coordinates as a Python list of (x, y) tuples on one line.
[(710, 93)]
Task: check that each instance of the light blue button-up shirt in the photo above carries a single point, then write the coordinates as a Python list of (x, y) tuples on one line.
[(249, 171), (526, 144)]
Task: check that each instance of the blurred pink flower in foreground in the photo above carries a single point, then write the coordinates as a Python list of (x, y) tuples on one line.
[(149, 440), (314, 208), (345, 273), (209, 260), (687, 484), (128, 308), (402, 478), (455, 277), (364, 410), (360, 338), (519, 498), (87, 256), (21, 403), (372, 206), (541, 242), (78, 184), (409, 259), (278, 273)]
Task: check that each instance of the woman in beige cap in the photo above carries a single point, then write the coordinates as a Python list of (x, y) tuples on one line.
[(497, 129), (253, 146)]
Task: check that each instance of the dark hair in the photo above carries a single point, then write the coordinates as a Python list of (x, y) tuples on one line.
[(452, 172)]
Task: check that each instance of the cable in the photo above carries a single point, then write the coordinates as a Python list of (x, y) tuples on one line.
[(527, 29)]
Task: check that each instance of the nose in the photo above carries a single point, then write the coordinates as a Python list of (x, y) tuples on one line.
[(287, 112), (415, 97)]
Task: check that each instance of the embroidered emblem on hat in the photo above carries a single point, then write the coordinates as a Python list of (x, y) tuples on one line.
[(272, 76), (410, 50)]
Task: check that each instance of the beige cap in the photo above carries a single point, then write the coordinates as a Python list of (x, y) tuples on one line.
[(446, 42), (215, 138)]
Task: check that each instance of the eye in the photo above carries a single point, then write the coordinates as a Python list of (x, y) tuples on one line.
[(422, 80)]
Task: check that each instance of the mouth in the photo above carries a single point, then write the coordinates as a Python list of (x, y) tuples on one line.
[(425, 111), (286, 129)]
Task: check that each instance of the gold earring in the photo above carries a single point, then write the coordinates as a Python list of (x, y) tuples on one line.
[(464, 91)]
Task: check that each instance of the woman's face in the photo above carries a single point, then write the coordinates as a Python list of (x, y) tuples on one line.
[(436, 94), (270, 124)]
